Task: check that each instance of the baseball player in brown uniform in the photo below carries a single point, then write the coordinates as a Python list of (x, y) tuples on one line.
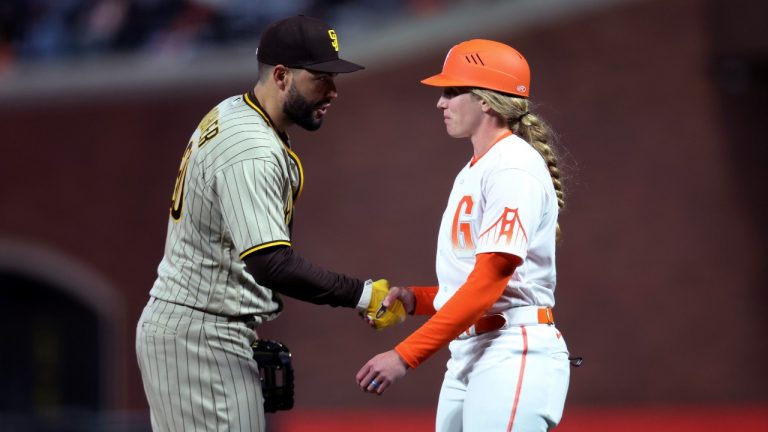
[(228, 254)]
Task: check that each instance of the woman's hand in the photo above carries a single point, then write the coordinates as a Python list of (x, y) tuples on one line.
[(380, 372)]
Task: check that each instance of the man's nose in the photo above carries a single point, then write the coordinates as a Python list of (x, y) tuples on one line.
[(331, 92)]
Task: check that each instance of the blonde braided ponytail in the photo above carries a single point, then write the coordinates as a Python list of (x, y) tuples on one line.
[(528, 126)]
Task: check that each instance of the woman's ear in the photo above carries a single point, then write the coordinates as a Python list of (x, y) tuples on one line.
[(484, 106)]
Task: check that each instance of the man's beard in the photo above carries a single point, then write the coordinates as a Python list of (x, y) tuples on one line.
[(300, 111)]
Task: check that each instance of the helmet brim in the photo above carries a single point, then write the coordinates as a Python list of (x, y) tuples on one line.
[(442, 80)]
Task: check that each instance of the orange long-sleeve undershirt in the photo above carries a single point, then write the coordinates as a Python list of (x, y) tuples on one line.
[(425, 297), (483, 287)]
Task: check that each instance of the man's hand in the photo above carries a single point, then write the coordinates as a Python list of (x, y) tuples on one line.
[(379, 314)]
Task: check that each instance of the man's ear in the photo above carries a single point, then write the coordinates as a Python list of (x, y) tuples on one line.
[(282, 76)]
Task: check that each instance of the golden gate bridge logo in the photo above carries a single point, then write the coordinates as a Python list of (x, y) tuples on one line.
[(508, 230)]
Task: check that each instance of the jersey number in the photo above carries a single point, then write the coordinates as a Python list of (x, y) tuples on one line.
[(461, 229), (209, 128), (178, 190)]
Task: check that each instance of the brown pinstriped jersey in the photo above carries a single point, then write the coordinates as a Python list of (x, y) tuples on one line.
[(234, 194)]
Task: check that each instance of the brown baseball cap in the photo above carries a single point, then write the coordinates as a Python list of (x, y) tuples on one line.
[(303, 42)]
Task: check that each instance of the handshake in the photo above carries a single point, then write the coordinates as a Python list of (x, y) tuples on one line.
[(377, 314)]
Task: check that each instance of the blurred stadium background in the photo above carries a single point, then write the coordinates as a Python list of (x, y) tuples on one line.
[(661, 109)]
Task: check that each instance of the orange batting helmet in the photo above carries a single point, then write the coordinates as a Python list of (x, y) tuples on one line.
[(485, 64)]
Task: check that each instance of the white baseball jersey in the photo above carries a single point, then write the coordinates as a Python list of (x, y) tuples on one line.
[(235, 194), (504, 202), (516, 378)]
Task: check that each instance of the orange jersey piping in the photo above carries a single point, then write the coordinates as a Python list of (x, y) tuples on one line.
[(475, 159)]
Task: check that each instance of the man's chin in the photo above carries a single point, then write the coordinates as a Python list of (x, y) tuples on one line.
[(310, 124)]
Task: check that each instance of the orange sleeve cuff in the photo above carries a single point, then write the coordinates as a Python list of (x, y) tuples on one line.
[(483, 287), (424, 296)]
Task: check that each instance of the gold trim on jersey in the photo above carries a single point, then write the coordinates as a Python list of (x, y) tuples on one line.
[(295, 158), (255, 105), (264, 246)]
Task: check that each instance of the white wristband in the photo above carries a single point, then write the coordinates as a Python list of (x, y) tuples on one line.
[(365, 297)]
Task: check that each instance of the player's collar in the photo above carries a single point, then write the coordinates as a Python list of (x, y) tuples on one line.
[(475, 159), (251, 100)]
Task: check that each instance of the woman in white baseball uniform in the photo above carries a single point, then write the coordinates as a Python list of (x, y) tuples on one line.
[(509, 367)]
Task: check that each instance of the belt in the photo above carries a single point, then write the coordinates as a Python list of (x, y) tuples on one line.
[(518, 316)]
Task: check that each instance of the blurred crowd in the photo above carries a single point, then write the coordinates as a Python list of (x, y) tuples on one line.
[(51, 30)]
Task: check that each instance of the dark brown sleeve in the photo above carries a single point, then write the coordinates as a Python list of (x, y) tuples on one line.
[(281, 269)]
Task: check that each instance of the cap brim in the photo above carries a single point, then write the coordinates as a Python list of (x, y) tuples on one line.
[(334, 66)]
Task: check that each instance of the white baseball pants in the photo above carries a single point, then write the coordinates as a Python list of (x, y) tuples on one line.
[(513, 380)]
